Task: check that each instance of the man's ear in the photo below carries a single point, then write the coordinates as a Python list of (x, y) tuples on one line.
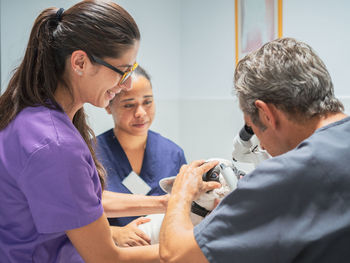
[(267, 113)]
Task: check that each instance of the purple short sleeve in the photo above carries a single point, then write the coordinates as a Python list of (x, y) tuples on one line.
[(61, 185), (49, 184)]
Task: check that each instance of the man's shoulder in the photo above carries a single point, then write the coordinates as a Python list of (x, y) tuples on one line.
[(327, 143), (325, 150)]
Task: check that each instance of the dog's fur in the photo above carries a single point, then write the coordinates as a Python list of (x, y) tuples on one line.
[(205, 200)]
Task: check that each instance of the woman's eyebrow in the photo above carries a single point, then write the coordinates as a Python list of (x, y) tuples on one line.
[(125, 66), (131, 99)]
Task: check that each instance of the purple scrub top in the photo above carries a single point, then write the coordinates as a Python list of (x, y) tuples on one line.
[(48, 185)]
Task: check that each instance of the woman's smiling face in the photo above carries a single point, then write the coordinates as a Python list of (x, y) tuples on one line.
[(99, 84)]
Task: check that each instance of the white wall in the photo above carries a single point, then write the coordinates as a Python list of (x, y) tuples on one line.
[(16, 20), (159, 54), (209, 114), (188, 48), (324, 25)]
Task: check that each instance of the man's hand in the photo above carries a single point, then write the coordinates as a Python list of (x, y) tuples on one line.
[(189, 183), (177, 242), (130, 235)]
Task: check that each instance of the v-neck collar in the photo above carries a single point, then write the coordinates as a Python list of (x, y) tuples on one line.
[(147, 167)]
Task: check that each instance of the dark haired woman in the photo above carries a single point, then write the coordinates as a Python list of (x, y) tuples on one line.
[(50, 178), (136, 159)]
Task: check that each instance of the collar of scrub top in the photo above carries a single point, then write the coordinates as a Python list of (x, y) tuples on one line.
[(148, 164)]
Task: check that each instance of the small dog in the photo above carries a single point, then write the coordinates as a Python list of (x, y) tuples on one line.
[(200, 207)]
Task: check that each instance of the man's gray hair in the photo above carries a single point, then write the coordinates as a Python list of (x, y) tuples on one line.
[(288, 74)]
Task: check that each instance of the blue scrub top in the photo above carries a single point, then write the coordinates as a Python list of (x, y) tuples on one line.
[(291, 208), (162, 158)]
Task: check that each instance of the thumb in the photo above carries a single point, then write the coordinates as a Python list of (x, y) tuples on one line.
[(216, 202), (211, 185), (142, 220)]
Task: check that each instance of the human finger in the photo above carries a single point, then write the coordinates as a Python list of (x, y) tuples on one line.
[(131, 243), (123, 245), (196, 163), (142, 242), (145, 239), (133, 240), (183, 167), (211, 185), (141, 220), (216, 202), (136, 240), (205, 167), (189, 167)]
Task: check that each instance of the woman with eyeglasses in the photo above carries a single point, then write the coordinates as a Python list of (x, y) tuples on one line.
[(135, 159), (50, 179)]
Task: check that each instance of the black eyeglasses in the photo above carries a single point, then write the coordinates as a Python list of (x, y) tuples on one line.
[(125, 75)]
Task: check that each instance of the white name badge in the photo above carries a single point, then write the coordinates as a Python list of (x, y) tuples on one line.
[(135, 184)]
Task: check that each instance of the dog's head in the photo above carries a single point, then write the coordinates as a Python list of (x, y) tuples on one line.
[(207, 199)]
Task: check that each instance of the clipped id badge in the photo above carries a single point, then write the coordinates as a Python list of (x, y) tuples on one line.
[(136, 184)]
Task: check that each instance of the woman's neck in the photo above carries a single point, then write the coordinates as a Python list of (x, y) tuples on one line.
[(64, 98), (134, 148), (131, 142)]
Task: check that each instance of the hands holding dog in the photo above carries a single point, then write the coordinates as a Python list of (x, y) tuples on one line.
[(177, 224), (189, 184), (130, 235)]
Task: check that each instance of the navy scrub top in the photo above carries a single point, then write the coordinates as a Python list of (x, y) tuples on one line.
[(294, 207), (162, 158)]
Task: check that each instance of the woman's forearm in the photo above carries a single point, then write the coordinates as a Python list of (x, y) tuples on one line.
[(94, 243), (121, 205), (144, 254)]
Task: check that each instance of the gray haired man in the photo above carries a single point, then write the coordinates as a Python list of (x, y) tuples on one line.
[(293, 207)]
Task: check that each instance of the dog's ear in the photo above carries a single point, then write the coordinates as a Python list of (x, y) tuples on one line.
[(167, 184)]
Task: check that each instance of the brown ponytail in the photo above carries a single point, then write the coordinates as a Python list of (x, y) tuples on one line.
[(99, 28)]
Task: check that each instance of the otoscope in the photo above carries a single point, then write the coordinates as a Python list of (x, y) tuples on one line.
[(246, 147)]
